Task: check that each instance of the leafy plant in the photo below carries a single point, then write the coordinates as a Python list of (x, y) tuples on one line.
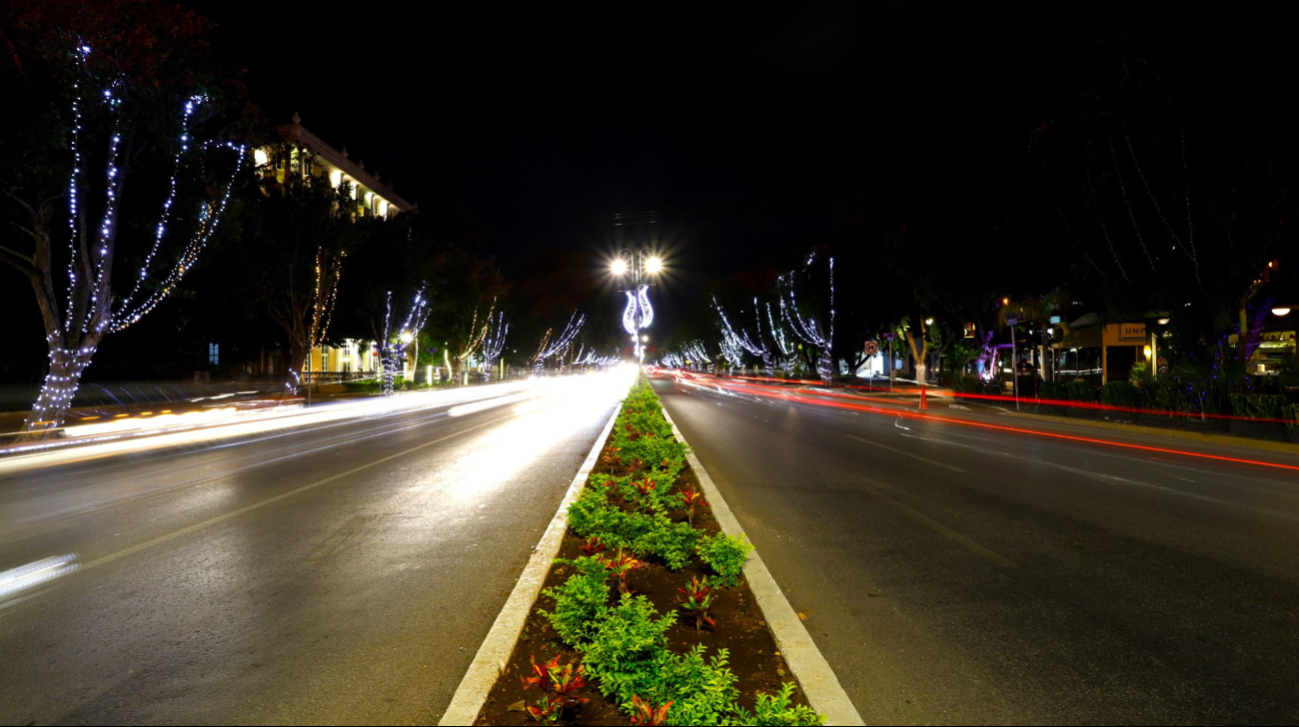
[(673, 542), (620, 565), (646, 714), (777, 710), (541, 674), (579, 601), (1120, 393), (726, 556), (631, 631), (699, 598), (545, 711), (690, 500), (1258, 406), (593, 545)]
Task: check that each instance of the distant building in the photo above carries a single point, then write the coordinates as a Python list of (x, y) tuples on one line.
[(373, 198), (305, 154)]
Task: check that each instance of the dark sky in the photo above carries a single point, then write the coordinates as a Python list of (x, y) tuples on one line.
[(721, 133), (718, 135)]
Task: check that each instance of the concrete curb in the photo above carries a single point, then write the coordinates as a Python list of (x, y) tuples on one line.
[(820, 685), (504, 634)]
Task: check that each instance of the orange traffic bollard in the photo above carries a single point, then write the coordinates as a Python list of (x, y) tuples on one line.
[(924, 401)]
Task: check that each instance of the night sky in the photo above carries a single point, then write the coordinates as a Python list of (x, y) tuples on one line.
[(720, 134)]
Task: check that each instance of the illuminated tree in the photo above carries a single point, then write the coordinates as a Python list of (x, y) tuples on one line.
[(392, 347), (494, 340), (87, 107), (813, 320), (299, 229), (554, 347)]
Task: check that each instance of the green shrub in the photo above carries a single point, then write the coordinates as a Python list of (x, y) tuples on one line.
[(702, 691), (579, 601), (777, 710), (1080, 390), (726, 556), (1120, 393), (628, 634), (1259, 406), (669, 541)]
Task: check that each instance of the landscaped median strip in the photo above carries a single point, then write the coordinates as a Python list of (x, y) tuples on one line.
[(640, 521)]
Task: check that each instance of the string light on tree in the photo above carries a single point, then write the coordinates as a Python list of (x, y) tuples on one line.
[(392, 351), (90, 310), (733, 339), (553, 348), (494, 340), (806, 328)]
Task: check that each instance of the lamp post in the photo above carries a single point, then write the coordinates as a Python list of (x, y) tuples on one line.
[(639, 263)]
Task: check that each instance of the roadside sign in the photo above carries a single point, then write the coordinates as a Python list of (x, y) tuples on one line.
[(969, 330), (872, 348)]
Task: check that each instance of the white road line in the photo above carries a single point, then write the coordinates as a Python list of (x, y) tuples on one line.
[(495, 651), (905, 453), (805, 660)]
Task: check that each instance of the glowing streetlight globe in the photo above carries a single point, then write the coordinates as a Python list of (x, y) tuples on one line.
[(619, 266), (407, 336), (653, 266)]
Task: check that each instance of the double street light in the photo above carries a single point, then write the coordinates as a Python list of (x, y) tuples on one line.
[(639, 313)]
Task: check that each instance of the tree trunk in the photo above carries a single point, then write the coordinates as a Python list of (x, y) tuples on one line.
[(296, 355), (61, 384), (388, 359)]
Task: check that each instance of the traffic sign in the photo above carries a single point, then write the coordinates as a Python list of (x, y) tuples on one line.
[(872, 348)]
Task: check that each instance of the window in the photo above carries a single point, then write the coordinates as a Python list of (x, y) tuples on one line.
[(214, 354)]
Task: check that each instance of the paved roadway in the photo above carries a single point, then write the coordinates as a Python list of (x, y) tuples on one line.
[(343, 572), (958, 574)]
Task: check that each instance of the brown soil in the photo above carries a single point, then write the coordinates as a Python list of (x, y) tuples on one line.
[(740, 629)]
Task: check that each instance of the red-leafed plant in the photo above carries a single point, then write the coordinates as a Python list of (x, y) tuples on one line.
[(547, 711), (691, 499), (541, 674), (620, 565), (645, 486), (560, 682), (593, 545), (647, 714), (565, 680), (699, 598)]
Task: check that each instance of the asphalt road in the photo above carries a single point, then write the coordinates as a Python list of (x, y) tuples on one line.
[(955, 573), (342, 572)]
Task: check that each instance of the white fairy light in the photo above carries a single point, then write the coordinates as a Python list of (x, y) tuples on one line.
[(558, 346), (88, 311), (494, 340), (809, 329)]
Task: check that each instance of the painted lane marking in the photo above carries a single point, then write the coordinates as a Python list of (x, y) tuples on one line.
[(905, 453)]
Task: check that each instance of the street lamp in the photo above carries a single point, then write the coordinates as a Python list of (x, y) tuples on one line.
[(639, 314)]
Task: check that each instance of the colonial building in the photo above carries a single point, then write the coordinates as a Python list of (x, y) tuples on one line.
[(307, 154), (304, 154)]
